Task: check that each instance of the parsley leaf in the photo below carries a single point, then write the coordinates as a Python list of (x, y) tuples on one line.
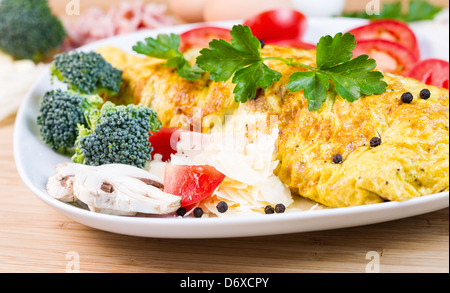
[(422, 10), (249, 79), (358, 73), (352, 78), (331, 51), (167, 47), (315, 86), (241, 58)]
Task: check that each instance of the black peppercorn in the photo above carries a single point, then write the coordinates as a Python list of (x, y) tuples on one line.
[(181, 212), (222, 207), (263, 44), (374, 142), (337, 159), (280, 208), (269, 210), (198, 212), (407, 98), (425, 94)]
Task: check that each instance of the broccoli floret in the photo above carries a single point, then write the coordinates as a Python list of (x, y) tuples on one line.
[(29, 30), (61, 113), (87, 73), (117, 135)]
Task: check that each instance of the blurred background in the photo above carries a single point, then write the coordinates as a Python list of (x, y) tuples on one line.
[(59, 6), (211, 10)]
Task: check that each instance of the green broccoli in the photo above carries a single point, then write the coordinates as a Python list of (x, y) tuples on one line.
[(117, 135), (29, 30), (87, 73), (61, 113)]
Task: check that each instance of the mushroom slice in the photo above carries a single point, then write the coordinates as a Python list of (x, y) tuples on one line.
[(60, 185), (112, 189)]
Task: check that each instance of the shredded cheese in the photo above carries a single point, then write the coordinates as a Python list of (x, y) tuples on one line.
[(250, 184)]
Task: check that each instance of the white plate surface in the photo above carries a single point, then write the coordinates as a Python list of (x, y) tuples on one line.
[(35, 163)]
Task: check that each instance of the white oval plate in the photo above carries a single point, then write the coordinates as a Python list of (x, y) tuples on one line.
[(35, 163)]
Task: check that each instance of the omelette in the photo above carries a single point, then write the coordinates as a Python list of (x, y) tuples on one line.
[(411, 160)]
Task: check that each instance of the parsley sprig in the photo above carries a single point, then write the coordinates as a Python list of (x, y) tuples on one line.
[(242, 61), (167, 47), (242, 57), (352, 78)]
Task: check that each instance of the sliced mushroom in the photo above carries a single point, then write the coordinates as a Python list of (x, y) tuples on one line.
[(152, 182), (112, 189), (61, 186)]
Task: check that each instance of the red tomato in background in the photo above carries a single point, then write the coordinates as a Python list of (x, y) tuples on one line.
[(391, 57), (432, 72), (192, 183), (293, 44), (279, 24), (389, 30), (201, 37), (164, 142)]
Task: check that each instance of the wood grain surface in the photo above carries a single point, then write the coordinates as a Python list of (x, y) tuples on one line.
[(34, 238)]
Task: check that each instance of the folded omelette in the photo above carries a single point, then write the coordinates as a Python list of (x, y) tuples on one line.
[(411, 161)]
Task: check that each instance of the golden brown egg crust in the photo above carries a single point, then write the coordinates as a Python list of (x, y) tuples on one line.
[(411, 161)]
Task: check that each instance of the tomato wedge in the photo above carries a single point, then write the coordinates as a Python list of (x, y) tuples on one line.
[(278, 24), (391, 57), (164, 142), (432, 72), (293, 44), (201, 37), (389, 30), (192, 183)]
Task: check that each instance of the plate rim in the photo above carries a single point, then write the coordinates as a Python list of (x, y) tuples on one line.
[(434, 202)]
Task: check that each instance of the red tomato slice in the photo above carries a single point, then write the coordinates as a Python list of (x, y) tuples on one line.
[(391, 57), (389, 30), (164, 142), (201, 37), (432, 72), (293, 44), (279, 24), (192, 183)]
